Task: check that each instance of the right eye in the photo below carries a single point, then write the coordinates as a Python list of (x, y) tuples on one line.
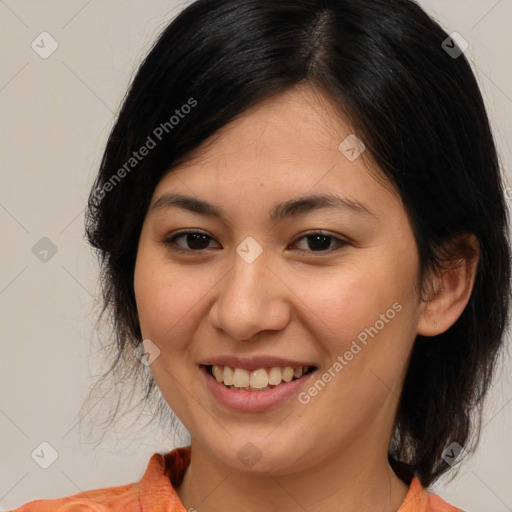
[(196, 241)]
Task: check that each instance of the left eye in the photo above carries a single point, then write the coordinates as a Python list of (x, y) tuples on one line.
[(199, 241), (320, 242)]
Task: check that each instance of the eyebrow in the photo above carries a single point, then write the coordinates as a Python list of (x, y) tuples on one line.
[(287, 209)]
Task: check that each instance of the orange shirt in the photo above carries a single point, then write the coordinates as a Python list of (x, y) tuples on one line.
[(155, 492)]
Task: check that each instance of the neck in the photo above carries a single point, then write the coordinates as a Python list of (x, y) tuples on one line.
[(356, 480)]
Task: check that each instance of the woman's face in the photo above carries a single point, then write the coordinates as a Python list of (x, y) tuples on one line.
[(278, 278)]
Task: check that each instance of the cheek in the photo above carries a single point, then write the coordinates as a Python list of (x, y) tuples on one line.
[(347, 299), (369, 301), (161, 296), (170, 300)]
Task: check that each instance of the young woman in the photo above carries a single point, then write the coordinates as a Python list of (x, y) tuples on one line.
[(303, 239)]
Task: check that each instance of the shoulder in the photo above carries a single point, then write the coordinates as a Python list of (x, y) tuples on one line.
[(153, 490), (110, 499), (419, 499)]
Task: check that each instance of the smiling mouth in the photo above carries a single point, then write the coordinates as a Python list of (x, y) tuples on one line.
[(260, 379)]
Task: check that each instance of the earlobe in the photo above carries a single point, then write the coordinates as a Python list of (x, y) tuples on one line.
[(452, 288)]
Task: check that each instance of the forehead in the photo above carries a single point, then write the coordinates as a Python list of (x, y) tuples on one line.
[(293, 143), (290, 124)]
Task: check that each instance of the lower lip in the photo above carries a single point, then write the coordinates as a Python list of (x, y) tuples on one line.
[(253, 401)]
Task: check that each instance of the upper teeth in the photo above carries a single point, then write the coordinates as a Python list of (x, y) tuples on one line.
[(256, 379)]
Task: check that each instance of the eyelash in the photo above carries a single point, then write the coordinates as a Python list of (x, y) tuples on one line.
[(171, 242)]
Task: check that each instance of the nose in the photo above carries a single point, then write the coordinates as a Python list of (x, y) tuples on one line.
[(251, 299)]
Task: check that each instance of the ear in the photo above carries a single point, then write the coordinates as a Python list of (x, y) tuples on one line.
[(451, 287)]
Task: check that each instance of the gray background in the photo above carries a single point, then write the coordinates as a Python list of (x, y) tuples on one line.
[(56, 116)]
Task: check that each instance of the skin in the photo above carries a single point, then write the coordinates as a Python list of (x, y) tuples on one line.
[(292, 301)]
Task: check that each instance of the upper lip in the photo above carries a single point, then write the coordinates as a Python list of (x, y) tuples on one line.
[(253, 363)]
